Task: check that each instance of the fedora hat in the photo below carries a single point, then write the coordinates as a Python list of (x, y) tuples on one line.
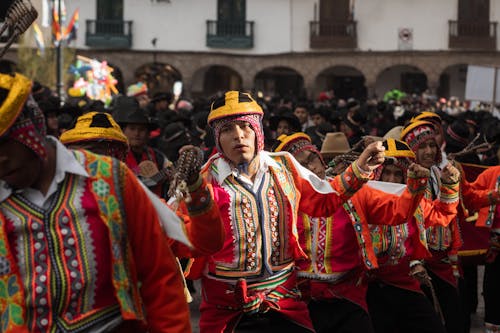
[(127, 111), (335, 143), (393, 133)]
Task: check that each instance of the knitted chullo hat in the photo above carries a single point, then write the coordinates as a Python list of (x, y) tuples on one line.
[(94, 126), (296, 143), (236, 106), (397, 153), (428, 116), (20, 117), (418, 132)]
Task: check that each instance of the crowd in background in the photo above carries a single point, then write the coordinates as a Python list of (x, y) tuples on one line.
[(175, 122)]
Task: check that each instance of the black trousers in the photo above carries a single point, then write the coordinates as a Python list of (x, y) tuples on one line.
[(270, 322), (400, 310), (491, 292), (339, 316), (468, 293), (450, 303)]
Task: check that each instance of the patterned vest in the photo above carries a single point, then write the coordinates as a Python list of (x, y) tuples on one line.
[(105, 181), (260, 228)]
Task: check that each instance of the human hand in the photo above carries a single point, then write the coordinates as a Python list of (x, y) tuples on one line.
[(372, 157), (418, 171), (189, 163), (450, 174), (419, 272)]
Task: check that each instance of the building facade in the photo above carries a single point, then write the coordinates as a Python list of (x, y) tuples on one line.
[(357, 48)]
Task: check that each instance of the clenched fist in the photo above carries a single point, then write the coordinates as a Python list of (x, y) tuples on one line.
[(450, 174), (418, 171), (372, 157)]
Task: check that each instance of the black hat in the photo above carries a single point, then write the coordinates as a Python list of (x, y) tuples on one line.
[(52, 104), (162, 96), (322, 111), (289, 117), (126, 110), (457, 136)]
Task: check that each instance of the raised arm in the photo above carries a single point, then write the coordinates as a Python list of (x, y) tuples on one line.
[(376, 206), (484, 191), (444, 209), (316, 203)]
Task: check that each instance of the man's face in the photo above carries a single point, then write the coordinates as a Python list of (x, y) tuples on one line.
[(302, 114), (237, 141), (345, 129), (161, 105), (143, 100), (426, 153), (317, 119), (19, 166), (392, 174), (52, 122), (137, 135), (283, 128), (311, 161)]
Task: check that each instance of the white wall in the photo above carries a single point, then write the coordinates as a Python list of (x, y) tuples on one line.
[(379, 20), (87, 11), (282, 26)]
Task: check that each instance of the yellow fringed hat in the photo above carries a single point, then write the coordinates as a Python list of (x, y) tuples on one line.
[(233, 103), (285, 141), (19, 88), (94, 126), (397, 148), (427, 116)]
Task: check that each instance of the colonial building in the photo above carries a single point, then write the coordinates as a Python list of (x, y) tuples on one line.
[(357, 48)]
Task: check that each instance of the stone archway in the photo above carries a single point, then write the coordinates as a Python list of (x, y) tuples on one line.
[(452, 81), (345, 81), (407, 78), (279, 81), (210, 80), (160, 77)]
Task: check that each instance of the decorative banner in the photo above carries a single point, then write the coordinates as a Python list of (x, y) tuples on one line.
[(71, 30), (40, 43), (93, 79), (58, 20)]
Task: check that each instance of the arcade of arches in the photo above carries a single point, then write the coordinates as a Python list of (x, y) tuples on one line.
[(349, 74)]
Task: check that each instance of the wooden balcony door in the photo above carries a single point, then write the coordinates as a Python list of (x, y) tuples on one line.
[(334, 10), (231, 16), (473, 18), (109, 10)]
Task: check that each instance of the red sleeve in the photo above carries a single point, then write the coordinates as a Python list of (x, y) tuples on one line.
[(482, 192), (162, 290), (444, 209), (203, 224), (316, 204), (377, 207)]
